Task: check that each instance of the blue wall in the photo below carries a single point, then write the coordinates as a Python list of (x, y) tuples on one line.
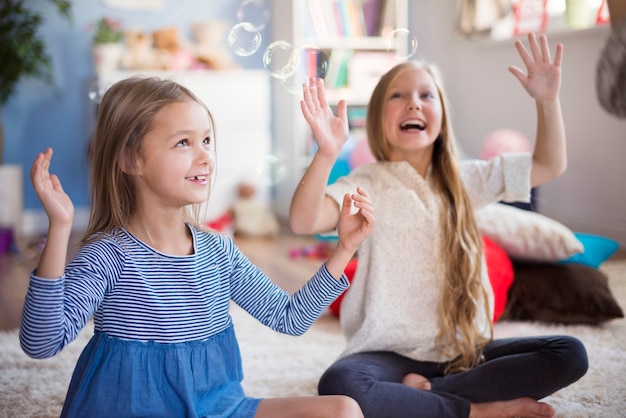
[(61, 115)]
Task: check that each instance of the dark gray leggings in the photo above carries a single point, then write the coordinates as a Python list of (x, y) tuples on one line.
[(532, 367)]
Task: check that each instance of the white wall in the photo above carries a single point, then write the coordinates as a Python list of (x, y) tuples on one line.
[(484, 96)]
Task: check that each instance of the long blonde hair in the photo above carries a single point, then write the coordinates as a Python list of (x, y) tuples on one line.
[(462, 287), (125, 116)]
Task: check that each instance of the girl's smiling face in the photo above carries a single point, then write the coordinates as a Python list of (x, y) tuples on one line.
[(177, 157), (412, 115)]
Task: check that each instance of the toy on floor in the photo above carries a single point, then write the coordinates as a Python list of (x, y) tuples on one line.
[(318, 251), (251, 216)]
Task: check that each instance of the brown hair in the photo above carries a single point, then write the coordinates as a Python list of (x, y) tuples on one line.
[(125, 116), (462, 286)]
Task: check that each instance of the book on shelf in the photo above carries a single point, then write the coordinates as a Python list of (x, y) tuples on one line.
[(371, 10), (341, 18)]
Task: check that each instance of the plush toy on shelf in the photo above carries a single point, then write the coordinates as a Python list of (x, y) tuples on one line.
[(139, 52), (207, 45), (171, 49), (251, 216)]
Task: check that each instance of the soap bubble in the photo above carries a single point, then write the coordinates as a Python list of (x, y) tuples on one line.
[(96, 90), (277, 59), (243, 39), (305, 63), (398, 39), (271, 169), (254, 12)]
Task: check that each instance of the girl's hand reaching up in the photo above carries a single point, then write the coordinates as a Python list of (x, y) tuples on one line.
[(543, 80), (330, 131), (55, 201), (353, 228)]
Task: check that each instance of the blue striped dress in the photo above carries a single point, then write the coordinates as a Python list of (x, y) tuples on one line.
[(164, 344)]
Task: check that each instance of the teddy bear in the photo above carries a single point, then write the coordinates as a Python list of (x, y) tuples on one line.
[(251, 216), (139, 53), (207, 45), (173, 52)]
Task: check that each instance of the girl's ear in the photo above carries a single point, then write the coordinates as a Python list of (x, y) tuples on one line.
[(129, 165)]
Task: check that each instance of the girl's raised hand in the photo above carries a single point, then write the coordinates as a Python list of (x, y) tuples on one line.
[(543, 78), (330, 131), (355, 226), (56, 202)]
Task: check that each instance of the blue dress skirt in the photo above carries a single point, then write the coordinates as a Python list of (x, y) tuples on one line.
[(121, 378)]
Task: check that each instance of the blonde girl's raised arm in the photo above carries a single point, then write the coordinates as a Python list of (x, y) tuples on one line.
[(542, 81), (311, 210)]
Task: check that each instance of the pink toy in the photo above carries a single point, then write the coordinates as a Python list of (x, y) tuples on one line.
[(361, 154), (503, 141)]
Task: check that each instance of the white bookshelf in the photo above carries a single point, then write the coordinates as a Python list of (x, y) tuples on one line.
[(291, 133)]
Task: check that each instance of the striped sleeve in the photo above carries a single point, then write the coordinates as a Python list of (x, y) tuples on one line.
[(276, 308), (55, 310)]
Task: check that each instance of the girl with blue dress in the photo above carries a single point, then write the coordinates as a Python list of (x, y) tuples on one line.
[(156, 282)]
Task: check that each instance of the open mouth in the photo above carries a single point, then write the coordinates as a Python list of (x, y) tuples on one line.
[(200, 179), (413, 124)]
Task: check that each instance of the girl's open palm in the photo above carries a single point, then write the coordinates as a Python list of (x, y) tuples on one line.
[(330, 131), (56, 202), (543, 78)]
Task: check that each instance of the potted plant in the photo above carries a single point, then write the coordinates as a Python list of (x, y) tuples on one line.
[(107, 45), (22, 54)]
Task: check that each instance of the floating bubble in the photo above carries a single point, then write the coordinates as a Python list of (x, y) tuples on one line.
[(254, 12), (305, 63), (398, 39), (277, 59), (271, 169), (243, 39), (97, 90)]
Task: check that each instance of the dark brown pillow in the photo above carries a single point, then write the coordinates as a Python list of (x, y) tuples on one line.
[(565, 293)]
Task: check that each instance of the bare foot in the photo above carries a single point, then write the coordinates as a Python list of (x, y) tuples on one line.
[(521, 407), (416, 381)]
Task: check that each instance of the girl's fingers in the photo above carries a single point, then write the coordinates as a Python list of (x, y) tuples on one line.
[(545, 49), (523, 53), (321, 92), (534, 47), (559, 55), (56, 183)]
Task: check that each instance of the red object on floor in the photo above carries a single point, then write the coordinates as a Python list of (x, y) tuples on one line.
[(349, 272), (222, 224), (500, 271)]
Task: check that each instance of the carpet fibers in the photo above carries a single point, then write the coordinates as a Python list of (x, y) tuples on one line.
[(276, 365)]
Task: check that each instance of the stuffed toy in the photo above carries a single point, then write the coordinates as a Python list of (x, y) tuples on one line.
[(207, 46), (171, 49), (251, 216), (139, 53)]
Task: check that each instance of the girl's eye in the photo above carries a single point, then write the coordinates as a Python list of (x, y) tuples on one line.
[(182, 143), (395, 95), (207, 141)]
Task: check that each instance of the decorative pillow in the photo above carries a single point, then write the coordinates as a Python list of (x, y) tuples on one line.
[(564, 293), (527, 235), (500, 271), (596, 250)]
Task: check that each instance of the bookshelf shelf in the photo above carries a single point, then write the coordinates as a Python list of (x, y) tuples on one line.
[(373, 43), (353, 33)]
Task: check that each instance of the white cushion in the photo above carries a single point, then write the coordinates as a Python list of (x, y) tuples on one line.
[(527, 235)]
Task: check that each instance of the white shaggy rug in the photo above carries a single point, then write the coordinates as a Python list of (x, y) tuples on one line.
[(278, 365)]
